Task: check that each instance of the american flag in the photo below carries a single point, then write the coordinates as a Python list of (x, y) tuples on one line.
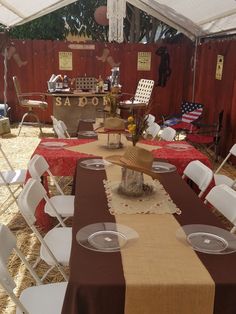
[(191, 111)]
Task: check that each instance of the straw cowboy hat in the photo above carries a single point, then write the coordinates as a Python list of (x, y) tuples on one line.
[(113, 125), (135, 158)]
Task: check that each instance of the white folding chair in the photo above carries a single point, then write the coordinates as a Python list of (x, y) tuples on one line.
[(61, 129), (8, 178), (168, 134), (56, 244), (33, 300), (150, 119), (200, 174), (60, 206), (152, 130), (223, 198), (221, 178)]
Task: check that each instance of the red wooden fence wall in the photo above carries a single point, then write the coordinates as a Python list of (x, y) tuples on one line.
[(42, 60)]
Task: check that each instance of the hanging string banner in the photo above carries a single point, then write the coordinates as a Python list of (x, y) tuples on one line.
[(116, 12)]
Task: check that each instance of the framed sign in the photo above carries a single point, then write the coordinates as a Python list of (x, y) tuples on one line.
[(219, 67), (65, 61), (144, 61)]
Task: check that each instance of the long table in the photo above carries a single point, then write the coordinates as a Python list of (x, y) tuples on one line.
[(158, 274)]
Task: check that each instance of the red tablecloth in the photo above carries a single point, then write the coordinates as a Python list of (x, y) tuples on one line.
[(62, 162)]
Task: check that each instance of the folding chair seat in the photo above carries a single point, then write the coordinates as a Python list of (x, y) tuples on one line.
[(11, 178), (223, 198), (200, 174), (207, 135), (38, 299), (63, 204), (56, 244), (168, 134), (30, 104), (221, 178)]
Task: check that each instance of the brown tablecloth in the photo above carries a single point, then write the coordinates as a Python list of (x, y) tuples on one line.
[(99, 282)]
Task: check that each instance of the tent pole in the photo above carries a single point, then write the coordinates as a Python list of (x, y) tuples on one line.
[(5, 80), (194, 69)]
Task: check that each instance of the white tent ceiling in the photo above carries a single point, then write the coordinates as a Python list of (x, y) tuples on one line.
[(15, 12), (194, 18)]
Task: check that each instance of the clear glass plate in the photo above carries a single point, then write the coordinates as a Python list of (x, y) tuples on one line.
[(162, 167), (88, 133), (88, 120), (94, 164), (207, 239), (106, 237), (53, 144), (179, 146)]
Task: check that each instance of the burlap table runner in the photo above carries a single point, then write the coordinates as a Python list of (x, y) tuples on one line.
[(99, 147), (158, 259)]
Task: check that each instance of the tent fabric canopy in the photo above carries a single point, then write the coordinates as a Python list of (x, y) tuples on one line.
[(194, 18), (16, 12)]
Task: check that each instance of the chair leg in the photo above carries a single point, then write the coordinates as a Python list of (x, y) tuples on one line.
[(30, 113)]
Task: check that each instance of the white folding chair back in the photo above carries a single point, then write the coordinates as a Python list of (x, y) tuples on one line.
[(59, 205), (10, 178), (153, 130), (37, 300), (223, 198), (150, 119), (223, 179), (38, 166), (168, 134), (61, 129), (53, 245), (200, 174), (144, 91)]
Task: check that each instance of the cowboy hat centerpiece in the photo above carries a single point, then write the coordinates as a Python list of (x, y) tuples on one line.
[(134, 162), (113, 127)]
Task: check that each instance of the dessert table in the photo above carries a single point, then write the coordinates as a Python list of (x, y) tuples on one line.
[(158, 273)]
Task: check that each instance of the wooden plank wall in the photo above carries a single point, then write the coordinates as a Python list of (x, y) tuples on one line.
[(42, 60)]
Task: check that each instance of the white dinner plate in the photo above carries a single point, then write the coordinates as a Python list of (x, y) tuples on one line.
[(53, 144), (87, 133), (207, 239), (179, 146), (106, 237), (94, 164), (162, 167)]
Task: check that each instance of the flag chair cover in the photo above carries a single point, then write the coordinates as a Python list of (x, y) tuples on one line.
[(223, 198), (38, 299), (208, 135), (11, 179), (190, 113), (61, 204), (200, 174), (221, 178), (56, 244)]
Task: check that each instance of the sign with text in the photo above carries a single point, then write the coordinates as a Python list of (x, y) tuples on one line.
[(65, 61), (219, 67), (144, 61)]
